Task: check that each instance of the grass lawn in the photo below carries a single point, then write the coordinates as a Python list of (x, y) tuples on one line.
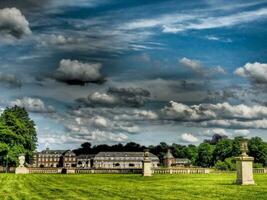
[(130, 186)]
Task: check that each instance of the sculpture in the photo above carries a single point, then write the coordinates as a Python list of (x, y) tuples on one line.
[(21, 169), (21, 161), (147, 164), (244, 148), (244, 166)]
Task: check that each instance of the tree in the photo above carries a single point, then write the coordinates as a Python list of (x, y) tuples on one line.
[(227, 164), (205, 155), (258, 149), (17, 131), (191, 153), (223, 150)]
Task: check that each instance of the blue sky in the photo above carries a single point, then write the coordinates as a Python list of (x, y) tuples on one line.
[(112, 71)]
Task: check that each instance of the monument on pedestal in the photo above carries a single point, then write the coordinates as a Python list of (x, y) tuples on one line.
[(21, 169), (147, 164), (244, 166)]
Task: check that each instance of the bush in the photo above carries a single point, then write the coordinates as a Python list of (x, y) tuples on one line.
[(257, 165), (227, 164)]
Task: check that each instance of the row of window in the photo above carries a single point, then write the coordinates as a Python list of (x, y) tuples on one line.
[(120, 158)]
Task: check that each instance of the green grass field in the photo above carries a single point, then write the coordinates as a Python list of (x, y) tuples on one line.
[(101, 186)]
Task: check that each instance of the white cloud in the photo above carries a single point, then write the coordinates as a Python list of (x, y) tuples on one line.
[(58, 40), (76, 72), (217, 115), (103, 98), (256, 72), (242, 132), (189, 138), (181, 111), (211, 132), (194, 65), (211, 22), (196, 20), (212, 37), (33, 105), (236, 124), (13, 23), (197, 67), (126, 97)]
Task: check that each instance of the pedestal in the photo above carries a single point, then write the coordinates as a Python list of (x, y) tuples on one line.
[(22, 170), (244, 166), (147, 168)]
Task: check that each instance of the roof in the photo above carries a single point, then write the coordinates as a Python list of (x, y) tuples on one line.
[(61, 152), (86, 156), (48, 151), (182, 160), (168, 155), (109, 155)]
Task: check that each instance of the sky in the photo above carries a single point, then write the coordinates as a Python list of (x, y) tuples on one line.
[(146, 71)]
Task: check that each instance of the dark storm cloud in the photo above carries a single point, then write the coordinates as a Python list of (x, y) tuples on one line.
[(23, 4), (129, 97)]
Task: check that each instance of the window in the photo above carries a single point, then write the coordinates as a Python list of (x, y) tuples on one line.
[(131, 165), (116, 164)]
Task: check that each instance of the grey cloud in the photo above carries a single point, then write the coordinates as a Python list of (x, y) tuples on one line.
[(200, 112), (74, 72), (13, 23), (236, 124), (33, 105), (25, 4), (10, 80), (129, 97), (217, 115)]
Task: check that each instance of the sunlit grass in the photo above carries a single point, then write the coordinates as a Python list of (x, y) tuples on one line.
[(131, 186)]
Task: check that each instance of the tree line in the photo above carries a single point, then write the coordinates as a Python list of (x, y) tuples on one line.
[(219, 152)]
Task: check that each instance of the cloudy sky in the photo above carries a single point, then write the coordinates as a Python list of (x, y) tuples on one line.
[(109, 71)]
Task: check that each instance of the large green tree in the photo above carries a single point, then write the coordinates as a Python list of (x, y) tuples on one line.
[(223, 150), (205, 155), (258, 149), (17, 134)]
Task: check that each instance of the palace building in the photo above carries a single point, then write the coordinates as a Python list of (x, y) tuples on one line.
[(134, 160), (54, 158), (85, 161), (102, 160)]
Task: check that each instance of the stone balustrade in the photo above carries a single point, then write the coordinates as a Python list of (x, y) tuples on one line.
[(181, 171), (33, 170)]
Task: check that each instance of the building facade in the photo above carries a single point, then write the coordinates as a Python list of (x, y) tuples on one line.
[(49, 158), (54, 158), (69, 159), (85, 161), (103, 160), (170, 161), (126, 160)]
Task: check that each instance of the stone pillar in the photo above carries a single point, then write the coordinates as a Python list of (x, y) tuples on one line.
[(21, 169), (147, 164), (244, 167)]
